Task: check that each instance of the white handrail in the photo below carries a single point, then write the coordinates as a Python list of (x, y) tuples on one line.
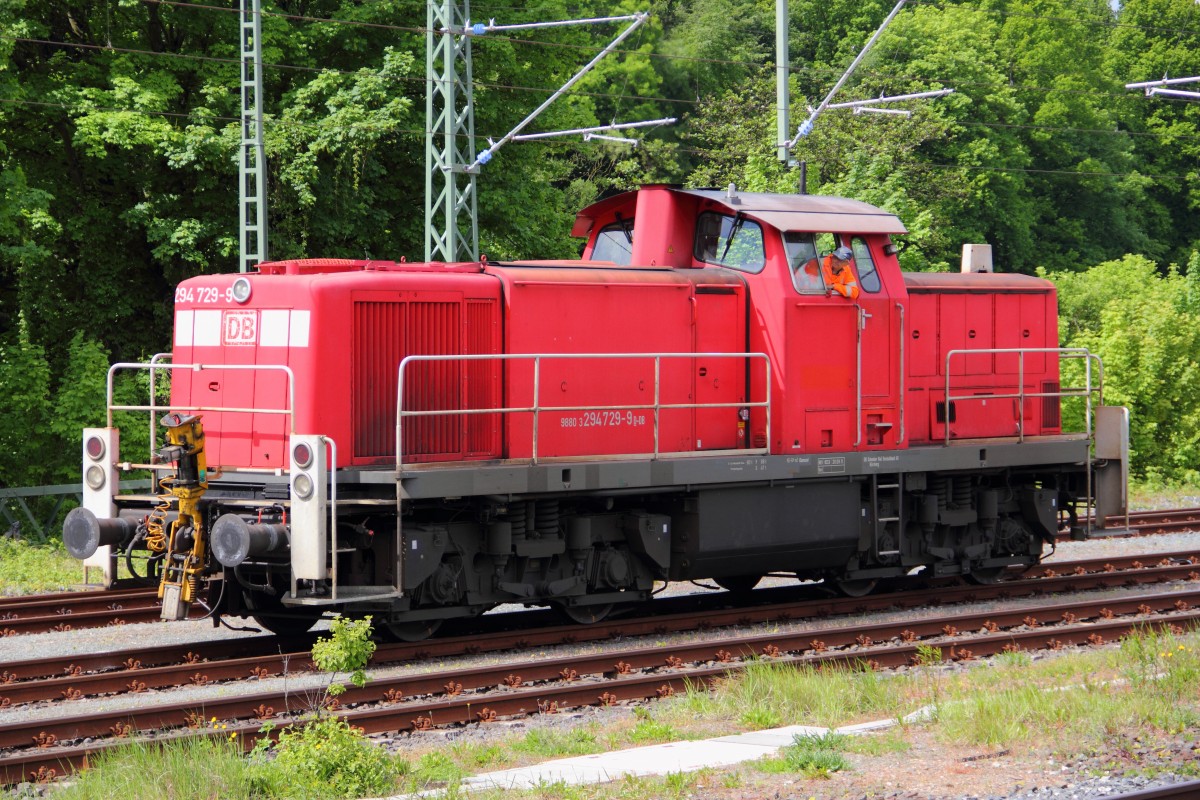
[(536, 409), (154, 407), (1063, 352)]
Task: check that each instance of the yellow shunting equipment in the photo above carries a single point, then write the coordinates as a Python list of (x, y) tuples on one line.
[(185, 546)]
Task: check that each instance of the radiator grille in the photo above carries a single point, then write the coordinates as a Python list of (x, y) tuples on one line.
[(482, 381), (387, 332), (384, 334)]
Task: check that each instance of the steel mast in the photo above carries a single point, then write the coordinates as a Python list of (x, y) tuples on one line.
[(252, 158), (451, 214)]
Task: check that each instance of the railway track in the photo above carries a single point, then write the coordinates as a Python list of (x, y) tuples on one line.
[(96, 608), (33, 750), (67, 611), (54, 679), (1181, 791)]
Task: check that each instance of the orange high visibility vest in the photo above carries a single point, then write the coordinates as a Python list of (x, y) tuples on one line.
[(843, 282)]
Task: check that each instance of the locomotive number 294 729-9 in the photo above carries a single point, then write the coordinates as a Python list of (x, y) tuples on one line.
[(603, 419), (203, 294)]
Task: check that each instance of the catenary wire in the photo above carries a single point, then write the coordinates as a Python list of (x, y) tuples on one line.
[(565, 144), (531, 89)]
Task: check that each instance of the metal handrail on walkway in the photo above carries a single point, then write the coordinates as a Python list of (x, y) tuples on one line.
[(153, 408), (1021, 395), (657, 406)]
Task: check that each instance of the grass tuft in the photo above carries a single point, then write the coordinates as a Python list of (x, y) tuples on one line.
[(811, 756), (33, 568), (178, 768)]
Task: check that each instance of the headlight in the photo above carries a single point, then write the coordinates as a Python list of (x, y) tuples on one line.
[(94, 448), (303, 486), (241, 290), (302, 456), (94, 477)]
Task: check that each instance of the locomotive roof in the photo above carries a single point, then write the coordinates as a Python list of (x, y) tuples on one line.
[(1009, 282), (787, 212)]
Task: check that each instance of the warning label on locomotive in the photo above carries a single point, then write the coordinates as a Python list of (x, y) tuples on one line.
[(603, 419), (833, 465), (239, 327)]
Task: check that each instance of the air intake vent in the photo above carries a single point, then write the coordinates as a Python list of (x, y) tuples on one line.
[(384, 334), (1051, 406)]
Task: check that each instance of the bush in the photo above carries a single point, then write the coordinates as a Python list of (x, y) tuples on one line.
[(327, 758)]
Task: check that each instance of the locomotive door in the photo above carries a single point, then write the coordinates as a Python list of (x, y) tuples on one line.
[(720, 328), (822, 371), (879, 351)]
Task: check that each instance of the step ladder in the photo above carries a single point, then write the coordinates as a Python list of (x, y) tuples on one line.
[(889, 487)]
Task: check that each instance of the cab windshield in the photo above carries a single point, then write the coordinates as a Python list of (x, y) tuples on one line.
[(615, 243)]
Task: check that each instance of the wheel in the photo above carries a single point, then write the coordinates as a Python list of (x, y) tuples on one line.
[(984, 576), (414, 630), (287, 626), (585, 615), (271, 614), (738, 584), (855, 588)]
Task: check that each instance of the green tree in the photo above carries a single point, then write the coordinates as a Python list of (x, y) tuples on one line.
[(1146, 329)]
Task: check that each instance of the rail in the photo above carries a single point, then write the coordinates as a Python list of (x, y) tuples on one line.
[(153, 408), (1021, 395), (537, 409)]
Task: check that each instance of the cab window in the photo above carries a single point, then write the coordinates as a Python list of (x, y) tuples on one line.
[(868, 276), (730, 241), (615, 243), (803, 262)]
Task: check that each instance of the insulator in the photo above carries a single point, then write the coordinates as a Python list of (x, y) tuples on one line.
[(547, 517)]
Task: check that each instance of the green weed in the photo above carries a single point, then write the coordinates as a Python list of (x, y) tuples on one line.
[(29, 568), (152, 771), (325, 758), (347, 648), (650, 730), (436, 767), (544, 743), (811, 756), (758, 718)]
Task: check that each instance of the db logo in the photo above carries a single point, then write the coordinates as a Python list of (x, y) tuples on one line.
[(239, 327)]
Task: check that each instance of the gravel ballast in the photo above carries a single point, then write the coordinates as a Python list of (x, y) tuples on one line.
[(1077, 779)]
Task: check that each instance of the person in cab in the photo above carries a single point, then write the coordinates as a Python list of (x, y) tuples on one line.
[(839, 276)]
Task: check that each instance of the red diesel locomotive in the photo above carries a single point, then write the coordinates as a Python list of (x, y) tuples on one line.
[(423, 441)]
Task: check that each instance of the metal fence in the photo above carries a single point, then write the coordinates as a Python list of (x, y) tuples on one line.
[(33, 512)]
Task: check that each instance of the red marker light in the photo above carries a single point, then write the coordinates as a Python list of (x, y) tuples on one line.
[(94, 447), (302, 456)]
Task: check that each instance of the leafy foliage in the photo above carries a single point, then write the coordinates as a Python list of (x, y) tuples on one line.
[(348, 648), (1146, 329), (326, 758), (28, 568), (119, 138)]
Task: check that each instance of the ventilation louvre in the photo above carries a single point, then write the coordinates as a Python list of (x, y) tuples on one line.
[(387, 332)]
